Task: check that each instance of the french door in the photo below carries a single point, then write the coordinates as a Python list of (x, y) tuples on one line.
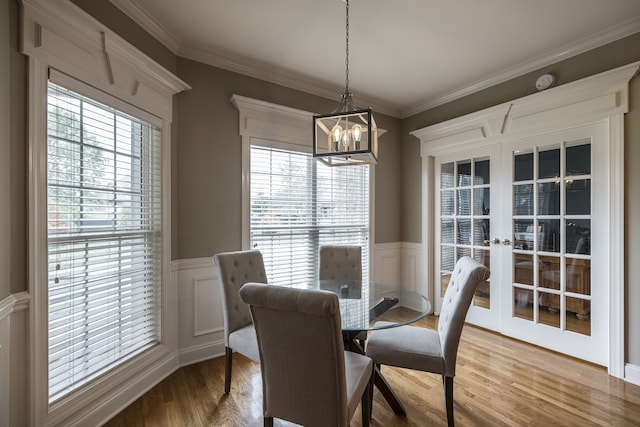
[(535, 211), (466, 215)]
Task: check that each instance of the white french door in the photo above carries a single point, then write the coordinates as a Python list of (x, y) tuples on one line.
[(554, 244), (466, 217), (535, 211)]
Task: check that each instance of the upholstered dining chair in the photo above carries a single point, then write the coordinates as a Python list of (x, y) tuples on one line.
[(429, 350), (340, 262), (307, 377), (234, 270)]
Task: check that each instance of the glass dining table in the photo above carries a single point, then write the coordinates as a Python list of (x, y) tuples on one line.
[(362, 305)]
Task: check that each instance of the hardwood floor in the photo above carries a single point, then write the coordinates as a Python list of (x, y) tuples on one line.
[(499, 382)]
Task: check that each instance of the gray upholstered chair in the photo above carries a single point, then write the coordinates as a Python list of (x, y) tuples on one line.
[(307, 377), (234, 270), (340, 262), (428, 350)]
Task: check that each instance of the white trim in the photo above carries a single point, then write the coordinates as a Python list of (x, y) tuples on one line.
[(581, 102), (198, 284), (566, 52), (13, 366), (201, 352), (632, 374), (56, 33), (305, 84), (193, 263), (616, 247), (386, 263), (600, 97), (280, 125), (38, 402), (66, 38), (428, 231), (13, 304), (151, 25)]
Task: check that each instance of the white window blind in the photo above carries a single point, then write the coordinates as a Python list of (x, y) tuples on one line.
[(104, 238), (299, 204)]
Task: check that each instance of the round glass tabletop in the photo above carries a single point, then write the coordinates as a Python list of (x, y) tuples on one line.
[(364, 303)]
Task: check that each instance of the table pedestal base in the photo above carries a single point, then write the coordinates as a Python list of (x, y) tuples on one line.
[(357, 346)]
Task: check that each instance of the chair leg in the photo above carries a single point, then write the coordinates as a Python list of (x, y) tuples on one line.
[(227, 369), (367, 402), (268, 421), (448, 397), (373, 379)]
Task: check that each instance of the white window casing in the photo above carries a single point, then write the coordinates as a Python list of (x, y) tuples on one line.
[(282, 128), (57, 35)]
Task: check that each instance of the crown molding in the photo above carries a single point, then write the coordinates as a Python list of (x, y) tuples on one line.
[(149, 24), (283, 77), (566, 52), (323, 89)]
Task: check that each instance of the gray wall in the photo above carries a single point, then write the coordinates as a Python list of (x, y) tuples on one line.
[(5, 152), (13, 211), (616, 54), (209, 164)]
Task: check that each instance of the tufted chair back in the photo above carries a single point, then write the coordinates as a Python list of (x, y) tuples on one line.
[(234, 270), (307, 377), (340, 263), (466, 275)]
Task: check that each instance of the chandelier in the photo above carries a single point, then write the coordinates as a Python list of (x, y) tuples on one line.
[(348, 135)]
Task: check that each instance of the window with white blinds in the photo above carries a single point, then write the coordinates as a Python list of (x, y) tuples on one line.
[(104, 238), (299, 204)]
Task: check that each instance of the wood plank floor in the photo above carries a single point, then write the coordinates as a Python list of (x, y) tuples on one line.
[(499, 382)]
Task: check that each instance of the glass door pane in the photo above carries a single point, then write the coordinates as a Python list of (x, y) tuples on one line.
[(465, 207), (551, 229)]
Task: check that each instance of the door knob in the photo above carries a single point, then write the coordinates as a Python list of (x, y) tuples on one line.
[(496, 241), (506, 242)]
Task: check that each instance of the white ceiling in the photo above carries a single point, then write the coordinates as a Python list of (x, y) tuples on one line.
[(404, 55)]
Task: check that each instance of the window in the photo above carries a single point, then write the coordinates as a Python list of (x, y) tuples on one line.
[(299, 204), (104, 238)]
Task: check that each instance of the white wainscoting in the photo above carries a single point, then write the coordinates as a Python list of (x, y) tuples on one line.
[(632, 373), (386, 263), (399, 263), (200, 322)]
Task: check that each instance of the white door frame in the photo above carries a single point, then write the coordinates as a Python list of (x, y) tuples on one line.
[(603, 97)]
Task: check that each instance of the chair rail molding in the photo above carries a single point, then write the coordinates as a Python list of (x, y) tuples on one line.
[(602, 97), (13, 357)]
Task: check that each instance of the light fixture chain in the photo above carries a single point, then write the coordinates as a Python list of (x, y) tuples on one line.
[(346, 61)]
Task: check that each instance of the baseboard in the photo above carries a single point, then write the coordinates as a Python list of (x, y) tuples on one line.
[(200, 353), (632, 374), (136, 387)]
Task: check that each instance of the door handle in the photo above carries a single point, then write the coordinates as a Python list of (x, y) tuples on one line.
[(506, 242), (495, 241)]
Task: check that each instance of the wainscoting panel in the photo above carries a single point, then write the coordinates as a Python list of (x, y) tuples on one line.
[(386, 262), (412, 268), (206, 296), (200, 321)]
